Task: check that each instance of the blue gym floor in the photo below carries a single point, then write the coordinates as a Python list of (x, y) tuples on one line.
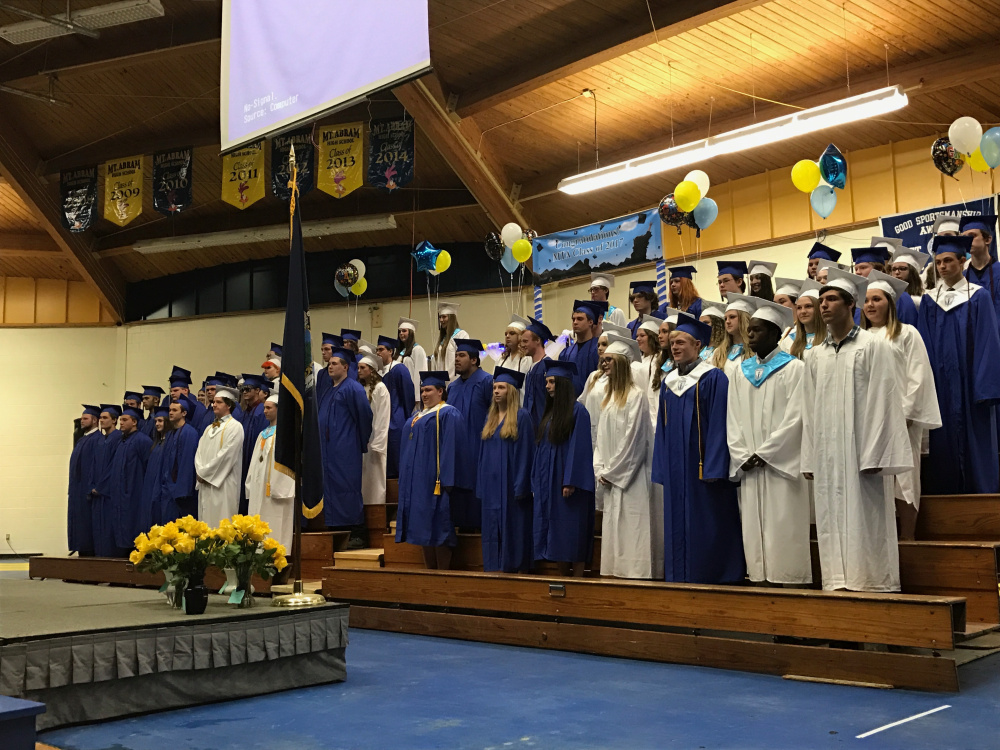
[(406, 691)]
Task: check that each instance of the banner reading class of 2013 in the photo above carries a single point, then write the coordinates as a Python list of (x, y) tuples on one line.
[(281, 145), (172, 180), (123, 189), (243, 175), (914, 227), (341, 159), (390, 153), (77, 198)]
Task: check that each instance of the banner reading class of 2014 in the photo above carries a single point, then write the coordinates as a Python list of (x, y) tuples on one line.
[(243, 175), (77, 198), (390, 153), (123, 189), (914, 227), (172, 180), (281, 145), (341, 159)]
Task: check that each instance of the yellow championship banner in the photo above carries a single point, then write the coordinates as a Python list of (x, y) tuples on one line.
[(243, 175), (123, 189), (341, 159)]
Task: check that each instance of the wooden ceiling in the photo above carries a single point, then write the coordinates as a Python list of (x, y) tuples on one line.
[(499, 122)]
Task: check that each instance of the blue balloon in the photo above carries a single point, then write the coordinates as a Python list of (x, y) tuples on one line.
[(989, 147), (705, 213), (833, 167), (823, 200), (507, 261), (341, 289), (426, 256)]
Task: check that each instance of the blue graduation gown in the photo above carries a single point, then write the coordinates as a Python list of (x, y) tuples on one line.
[(963, 347), (471, 396), (79, 522), (179, 496), (323, 384), (702, 532), (400, 387), (422, 517), (128, 471), (989, 280), (345, 426), (253, 422), (152, 491), (585, 356), (104, 453), (148, 426), (694, 309), (563, 527), (906, 311), (503, 485), (534, 392)]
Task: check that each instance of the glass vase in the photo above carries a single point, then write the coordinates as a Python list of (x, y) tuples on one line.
[(243, 575), (195, 594)]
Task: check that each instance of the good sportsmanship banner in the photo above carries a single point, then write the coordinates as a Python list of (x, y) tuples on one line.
[(123, 189), (77, 198), (281, 145), (172, 180), (390, 154), (341, 159), (914, 227), (243, 175)]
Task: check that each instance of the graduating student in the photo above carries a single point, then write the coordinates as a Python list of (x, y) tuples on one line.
[(352, 339), (127, 471), (906, 265), (133, 400), (271, 493), (429, 472), (471, 392), (647, 366), (958, 324), (151, 395), (713, 314), (681, 292), (853, 442), (449, 332), (809, 325), (373, 463), (786, 291), (644, 301), (82, 463), (512, 358), (729, 357), (180, 385), (583, 351), (104, 453), (730, 279), (631, 535), (322, 374), (876, 258), (411, 354), (982, 269), (761, 279), (914, 381), (345, 427), (533, 340), (253, 422), (601, 285), (819, 252), (562, 475), (593, 392), (151, 498), (503, 479), (180, 445), (218, 462), (274, 351), (701, 519), (396, 377), (764, 433)]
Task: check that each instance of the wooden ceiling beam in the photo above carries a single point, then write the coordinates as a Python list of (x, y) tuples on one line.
[(13, 244)]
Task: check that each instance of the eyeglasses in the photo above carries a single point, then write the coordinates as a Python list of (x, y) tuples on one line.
[(604, 360)]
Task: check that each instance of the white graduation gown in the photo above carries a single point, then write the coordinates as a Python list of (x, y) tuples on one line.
[(632, 532), (416, 362), (643, 373), (518, 362), (373, 462), (774, 499), (219, 463), (617, 316), (591, 398), (447, 363), (915, 381), (270, 493), (854, 421)]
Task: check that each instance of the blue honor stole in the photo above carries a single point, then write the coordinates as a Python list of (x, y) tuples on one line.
[(734, 352), (757, 372)]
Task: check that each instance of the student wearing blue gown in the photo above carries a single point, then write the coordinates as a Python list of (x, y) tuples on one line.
[(127, 472), (645, 300), (134, 400), (533, 341), (79, 521), (151, 395), (330, 341), (152, 485), (819, 252), (429, 473), (104, 453), (587, 316), (179, 496), (982, 270), (703, 536), (681, 293), (503, 479), (254, 422), (471, 392), (397, 380), (345, 427), (959, 326), (352, 342), (562, 475)]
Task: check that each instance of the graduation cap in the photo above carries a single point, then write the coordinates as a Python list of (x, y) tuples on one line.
[(230, 393), (188, 403), (735, 268), (506, 375), (888, 284), (946, 223), (369, 359), (602, 279), (651, 321), (343, 353), (276, 361), (517, 323), (774, 313), (740, 303), (152, 390), (829, 264), (878, 254), (332, 339), (823, 252), (682, 272), (713, 309), (623, 346), (785, 286), (892, 244), (610, 327), (810, 288), (388, 342), (985, 223), (214, 380), (642, 287), (92, 410), (407, 323), (272, 399), (113, 409), (256, 381), (762, 268), (538, 328), (276, 348), (227, 379), (448, 308), (557, 368), (349, 334), (593, 310), (131, 411), (960, 244), (366, 346), (132, 395), (180, 378), (912, 257), (436, 378), (469, 346), (161, 411), (852, 283), (694, 327)]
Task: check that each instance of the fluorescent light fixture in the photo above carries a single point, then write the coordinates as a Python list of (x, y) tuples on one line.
[(63, 24), (264, 234), (841, 112)]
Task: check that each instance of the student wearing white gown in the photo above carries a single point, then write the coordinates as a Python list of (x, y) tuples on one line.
[(853, 443), (601, 285), (218, 462), (511, 358), (373, 463), (632, 531), (764, 433), (593, 396), (729, 357), (410, 353), (915, 381), (906, 265), (647, 336), (809, 326), (271, 493), (443, 356)]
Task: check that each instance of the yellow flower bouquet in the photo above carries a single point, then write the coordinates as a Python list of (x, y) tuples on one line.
[(183, 550), (242, 543)]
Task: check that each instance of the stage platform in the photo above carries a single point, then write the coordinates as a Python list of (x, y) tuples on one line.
[(97, 652)]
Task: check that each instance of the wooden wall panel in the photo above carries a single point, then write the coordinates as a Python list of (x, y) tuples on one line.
[(720, 234), (873, 183), (789, 206), (82, 305), (50, 301), (917, 181), (967, 185), (843, 213), (19, 301), (751, 212)]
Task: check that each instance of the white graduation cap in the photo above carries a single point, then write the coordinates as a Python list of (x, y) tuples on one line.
[(518, 323), (713, 309), (230, 393), (602, 279), (787, 286), (911, 257), (448, 308), (772, 312), (809, 288), (366, 346), (889, 284), (623, 345), (407, 323), (946, 223), (829, 264), (610, 327), (852, 283), (740, 303), (273, 398), (671, 316), (652, 325), (371, 360), (276, 361), (762, 267), (892, 244)]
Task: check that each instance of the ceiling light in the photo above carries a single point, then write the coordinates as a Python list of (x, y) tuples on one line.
[(63, 24), (805, 121)]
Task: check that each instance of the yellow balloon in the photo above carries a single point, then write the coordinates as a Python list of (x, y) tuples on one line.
[(805, 175), (443, 261), (687, 195), (521, 250), (976, 161), (360, 287)]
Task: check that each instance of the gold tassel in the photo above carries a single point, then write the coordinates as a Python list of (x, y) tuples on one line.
[(701, 474), (437, 487), (267, 489)]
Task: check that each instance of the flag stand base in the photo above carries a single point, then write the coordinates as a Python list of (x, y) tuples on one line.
[(298, 598)]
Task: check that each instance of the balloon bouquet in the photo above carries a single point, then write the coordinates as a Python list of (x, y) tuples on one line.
[(349, 279), (966, 144), (819, 178), (511, 247), (688, 204)]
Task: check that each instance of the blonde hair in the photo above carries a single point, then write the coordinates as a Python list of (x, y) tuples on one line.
[(799, 344), (892, 324), (721, 353), (619, 381), (441, 350), (512, 402)]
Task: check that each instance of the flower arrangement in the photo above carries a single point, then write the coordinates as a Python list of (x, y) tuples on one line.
[(182, 549), (243, 544)]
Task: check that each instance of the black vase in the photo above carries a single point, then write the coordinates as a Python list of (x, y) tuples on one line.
[(195, 596)]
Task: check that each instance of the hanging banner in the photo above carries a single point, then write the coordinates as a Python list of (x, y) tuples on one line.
[(243, 175), (390, 153), (341, 159), (914, 227), (123, 189), (281, 145), (625, 241), (78, 197), (172, 180)]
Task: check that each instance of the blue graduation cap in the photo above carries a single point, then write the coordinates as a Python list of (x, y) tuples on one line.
[(823, 252), (541, 330), (389, 342), (92, 410), (345, 354), (161, 411), (332, 339), (469, 346), (131, 411), (349, 334), (694, 327), (214, 380), (735, 268), (113, 409), (188, 403), (682, 272), (870, 254), (506, 375), (256, 381), (960, 244), (276, 348), (129, 395), (152, 390), (179, 373), (557, 368), (986, 223), (590, 308), (228, 380), (642, 287), (436, 378)]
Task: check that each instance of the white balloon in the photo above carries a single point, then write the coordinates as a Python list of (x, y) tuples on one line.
[(510, 234), (700, 179), (965, 134), (360, 266)]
